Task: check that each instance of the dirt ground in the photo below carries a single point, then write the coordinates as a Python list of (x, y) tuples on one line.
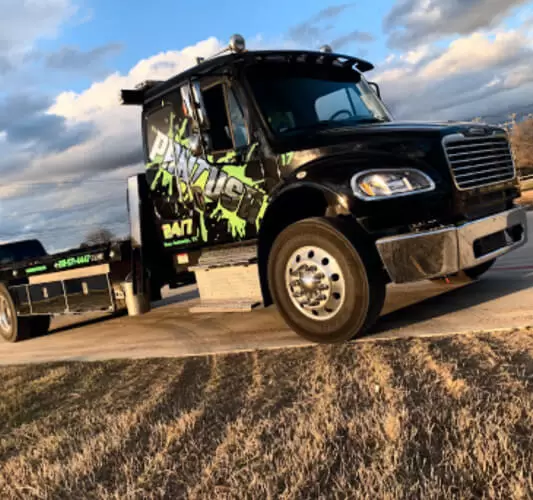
[(425, 418)]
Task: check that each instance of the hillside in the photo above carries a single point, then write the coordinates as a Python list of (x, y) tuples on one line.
[(396, 419)]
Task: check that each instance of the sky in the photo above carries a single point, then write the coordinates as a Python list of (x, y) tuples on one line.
[(68, 146)]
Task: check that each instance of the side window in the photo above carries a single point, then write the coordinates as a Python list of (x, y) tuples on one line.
[(215, 106), (238, 125), (228, 128)]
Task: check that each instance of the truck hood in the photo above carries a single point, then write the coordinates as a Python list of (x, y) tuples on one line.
[(414, 141), (443, 128)]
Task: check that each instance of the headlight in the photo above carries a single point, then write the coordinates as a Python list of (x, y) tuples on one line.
[(390, 183)]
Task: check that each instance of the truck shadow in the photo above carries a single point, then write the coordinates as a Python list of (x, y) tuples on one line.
[(423, 305), (80, 322), (488, 288)]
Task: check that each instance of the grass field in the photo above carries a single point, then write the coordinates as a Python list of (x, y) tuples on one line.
[(444, 418)]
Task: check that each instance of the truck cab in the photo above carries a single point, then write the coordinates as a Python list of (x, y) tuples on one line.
[(294, 155)]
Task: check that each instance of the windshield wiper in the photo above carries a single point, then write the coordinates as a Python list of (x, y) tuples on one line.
[(374, 119), (311, 126), (333, 124)]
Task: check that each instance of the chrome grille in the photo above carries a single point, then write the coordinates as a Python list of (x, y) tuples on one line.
[(479, 161)]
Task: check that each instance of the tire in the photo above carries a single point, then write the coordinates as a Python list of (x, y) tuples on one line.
[(466, 275), (11, 328), (15, 329), (347, 283)]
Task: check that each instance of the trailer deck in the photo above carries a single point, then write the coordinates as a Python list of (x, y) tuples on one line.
[(78, 281)]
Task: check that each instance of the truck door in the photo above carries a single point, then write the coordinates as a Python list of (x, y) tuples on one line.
[(168, 161), (234, 196)]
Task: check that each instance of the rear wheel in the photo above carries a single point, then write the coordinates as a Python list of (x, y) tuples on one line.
[(325, 289)]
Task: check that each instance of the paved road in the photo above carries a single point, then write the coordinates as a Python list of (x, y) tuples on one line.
[(502, 299)]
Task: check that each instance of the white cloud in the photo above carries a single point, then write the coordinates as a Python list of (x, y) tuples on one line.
[(412, 22), (117, 141), (102, 96), (416, 55), (101, 164), (480, 74), (477, 52), (22, 23)]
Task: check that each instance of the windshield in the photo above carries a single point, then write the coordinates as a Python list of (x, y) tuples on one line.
[(293, 103)]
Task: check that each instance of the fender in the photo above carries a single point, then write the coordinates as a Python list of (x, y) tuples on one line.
[(291, 202), (334, 195), (332, 175)]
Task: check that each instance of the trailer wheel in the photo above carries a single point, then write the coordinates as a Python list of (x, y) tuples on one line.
[(325, 288), (14, 328), (11, 328)]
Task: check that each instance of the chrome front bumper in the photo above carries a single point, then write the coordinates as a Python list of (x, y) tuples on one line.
[(430, 254)]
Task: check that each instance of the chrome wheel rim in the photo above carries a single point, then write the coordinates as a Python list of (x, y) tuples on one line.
[(6, 323), (315, 283)]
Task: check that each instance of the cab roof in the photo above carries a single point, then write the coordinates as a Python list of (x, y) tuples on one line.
[(150, 90)]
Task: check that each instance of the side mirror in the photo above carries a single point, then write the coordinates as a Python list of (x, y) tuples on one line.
[(196, 141), (194, 103), (376, 88), (186, 98), (195, 144), (199, 105)]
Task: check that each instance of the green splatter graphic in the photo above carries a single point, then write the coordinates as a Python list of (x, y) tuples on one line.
[(164, 178), (203, 228), (237, 225)]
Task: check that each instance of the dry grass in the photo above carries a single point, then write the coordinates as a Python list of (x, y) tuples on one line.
[(401, 419)]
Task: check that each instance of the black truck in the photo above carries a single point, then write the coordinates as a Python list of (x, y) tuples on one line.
[(281, 177)]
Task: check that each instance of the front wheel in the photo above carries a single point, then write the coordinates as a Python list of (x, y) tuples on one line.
[(326, 289)]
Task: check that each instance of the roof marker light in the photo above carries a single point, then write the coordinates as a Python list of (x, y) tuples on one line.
[(237, 43)]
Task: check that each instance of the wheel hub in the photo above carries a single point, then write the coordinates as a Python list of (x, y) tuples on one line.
[(310, 280), (315, 282)]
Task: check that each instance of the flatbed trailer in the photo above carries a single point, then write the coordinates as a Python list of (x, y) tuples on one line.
[(74, 282)]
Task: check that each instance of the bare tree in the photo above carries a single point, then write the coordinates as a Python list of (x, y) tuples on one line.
[(98, 236), (522, 143)]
